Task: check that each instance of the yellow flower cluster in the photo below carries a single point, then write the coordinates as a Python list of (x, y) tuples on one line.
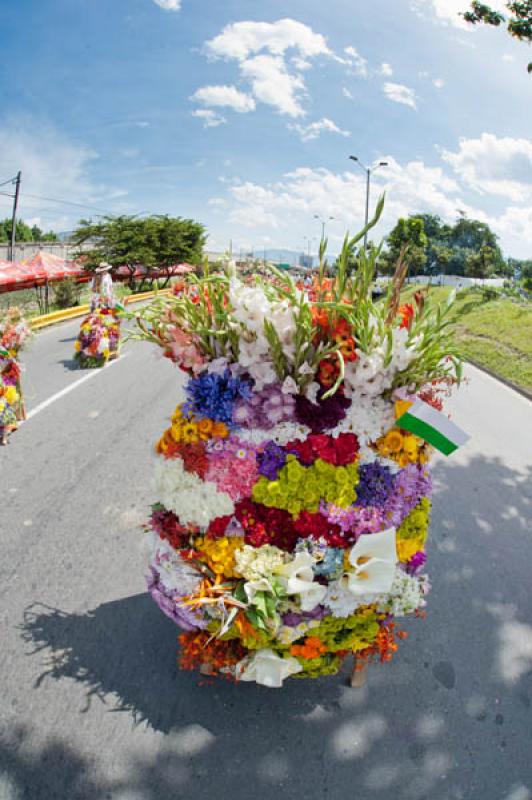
[(220, 553), (300, 488), (412, 534), (9, 394), (187, 430), (405, 448)]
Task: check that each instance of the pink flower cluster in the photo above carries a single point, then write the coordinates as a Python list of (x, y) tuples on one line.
[(232, 466)]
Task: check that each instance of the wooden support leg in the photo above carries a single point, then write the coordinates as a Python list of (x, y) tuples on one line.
[(358, 676)]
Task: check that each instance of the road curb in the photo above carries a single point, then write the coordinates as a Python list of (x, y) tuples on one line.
[(505, 381), (55, 317)]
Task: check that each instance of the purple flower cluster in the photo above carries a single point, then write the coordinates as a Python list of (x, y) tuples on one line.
[(416, 563), (376, 484), (293, 619), (168, 602), (323, 415), (265, 409), (411, 484), (356, 520), (214, 396), (271, 461)]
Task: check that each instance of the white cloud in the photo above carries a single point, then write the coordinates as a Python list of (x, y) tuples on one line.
[(439, 83), (507, 57), (386, 70), (242, 39), (224, 97), (315, 129), (492, 165), (400, 94), (355, 60), (271, 58), (52, 165), (288, 204), (271, 83), (210, 118), (347, 93), (169, 5)]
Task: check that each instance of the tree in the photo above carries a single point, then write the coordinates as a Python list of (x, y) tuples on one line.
[(481, 264), (409, 232), (519, 22), (24, 233), (154, 243)]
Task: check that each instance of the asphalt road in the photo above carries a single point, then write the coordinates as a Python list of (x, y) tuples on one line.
[(92, 705)]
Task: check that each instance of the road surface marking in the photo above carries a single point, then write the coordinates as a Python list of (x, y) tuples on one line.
[(72, 386)]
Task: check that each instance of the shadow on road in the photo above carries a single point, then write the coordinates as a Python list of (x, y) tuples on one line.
[(70, 364), (450, 720)]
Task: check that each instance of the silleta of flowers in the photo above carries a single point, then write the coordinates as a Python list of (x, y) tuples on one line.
[(14, 335), (99, 335), (292, 511)]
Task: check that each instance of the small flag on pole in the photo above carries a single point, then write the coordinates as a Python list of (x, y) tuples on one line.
[(434, 427)]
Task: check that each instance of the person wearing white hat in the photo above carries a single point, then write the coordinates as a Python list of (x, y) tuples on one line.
[(99, 336), (102, 285)]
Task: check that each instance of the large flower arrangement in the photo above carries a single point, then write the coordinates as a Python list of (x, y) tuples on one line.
[(99, 336), (14, 331), (292, 511), (15, 334)]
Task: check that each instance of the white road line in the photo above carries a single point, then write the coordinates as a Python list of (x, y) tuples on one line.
[(72, 386)]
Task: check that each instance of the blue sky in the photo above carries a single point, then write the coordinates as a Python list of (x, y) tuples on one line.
[(242, 114)]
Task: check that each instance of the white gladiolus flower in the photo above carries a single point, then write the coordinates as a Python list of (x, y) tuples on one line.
[(267, 668)]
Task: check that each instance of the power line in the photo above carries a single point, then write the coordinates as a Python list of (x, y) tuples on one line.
[(11, 180), (62, 202)]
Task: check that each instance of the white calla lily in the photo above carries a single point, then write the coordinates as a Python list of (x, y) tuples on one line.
[(374, 558), (252, 587), (267, 668), (299, 578)]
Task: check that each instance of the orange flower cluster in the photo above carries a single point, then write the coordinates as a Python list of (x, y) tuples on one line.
[(384, 646), (339, 331), (188, 431), (196, 651), (312, 648)]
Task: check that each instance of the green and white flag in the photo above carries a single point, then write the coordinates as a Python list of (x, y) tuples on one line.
[(434, 427)]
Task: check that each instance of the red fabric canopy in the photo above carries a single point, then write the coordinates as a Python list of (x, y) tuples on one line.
[(41, 268)]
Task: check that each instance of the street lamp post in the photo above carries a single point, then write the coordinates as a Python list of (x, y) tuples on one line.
[(323, 223), (309, 241), (367, 171)]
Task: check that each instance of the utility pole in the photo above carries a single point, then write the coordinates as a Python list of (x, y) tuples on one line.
[(368, 171), (16, 181)]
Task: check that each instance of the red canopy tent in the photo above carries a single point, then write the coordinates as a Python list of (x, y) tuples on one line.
[(42, 269)]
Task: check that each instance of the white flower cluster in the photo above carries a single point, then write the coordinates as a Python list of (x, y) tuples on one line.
[(368, 419), (406, 595), (254, 563), (280, 434), (368, 376), (251, 308), (194, 501), (175, 573)]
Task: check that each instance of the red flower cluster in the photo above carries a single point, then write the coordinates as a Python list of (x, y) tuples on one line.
[(166, 524), (407, 315), (263, 525), (193, 455), (339, 452)]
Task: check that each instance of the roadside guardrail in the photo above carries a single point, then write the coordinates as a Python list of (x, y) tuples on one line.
[(79, 311)]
